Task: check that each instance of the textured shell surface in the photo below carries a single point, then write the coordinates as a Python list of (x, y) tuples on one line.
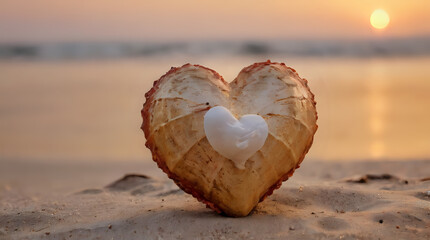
[(173, 123)]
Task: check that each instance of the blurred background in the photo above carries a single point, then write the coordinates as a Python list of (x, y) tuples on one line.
[(73, 74)]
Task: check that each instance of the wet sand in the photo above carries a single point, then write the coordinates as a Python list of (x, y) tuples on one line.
[(367, 108)]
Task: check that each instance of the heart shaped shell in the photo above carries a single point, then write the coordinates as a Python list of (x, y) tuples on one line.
[(173, 126)]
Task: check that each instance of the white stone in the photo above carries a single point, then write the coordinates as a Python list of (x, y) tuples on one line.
[(235, 139)]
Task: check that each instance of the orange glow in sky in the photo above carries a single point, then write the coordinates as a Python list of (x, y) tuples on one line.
[(136, 20)]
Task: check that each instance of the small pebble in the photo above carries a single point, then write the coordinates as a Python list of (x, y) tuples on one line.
[(397, 227), (428, 193), (110, 226), (292, 228), (381, 221), (47, 233)]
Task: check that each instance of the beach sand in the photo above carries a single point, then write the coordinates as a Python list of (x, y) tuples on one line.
[(323, 200)]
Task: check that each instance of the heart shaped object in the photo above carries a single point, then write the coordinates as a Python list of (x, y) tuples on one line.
[(233, 139), (174, 127)]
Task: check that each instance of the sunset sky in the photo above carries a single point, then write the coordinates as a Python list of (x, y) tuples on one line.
[(137, 20)]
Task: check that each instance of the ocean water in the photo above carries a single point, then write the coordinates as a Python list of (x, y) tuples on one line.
[(360, 48), (88, 108)]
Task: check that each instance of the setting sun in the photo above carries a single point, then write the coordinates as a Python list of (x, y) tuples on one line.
[(379, 19)]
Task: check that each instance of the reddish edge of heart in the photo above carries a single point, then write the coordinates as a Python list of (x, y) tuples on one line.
[(182, 183)]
